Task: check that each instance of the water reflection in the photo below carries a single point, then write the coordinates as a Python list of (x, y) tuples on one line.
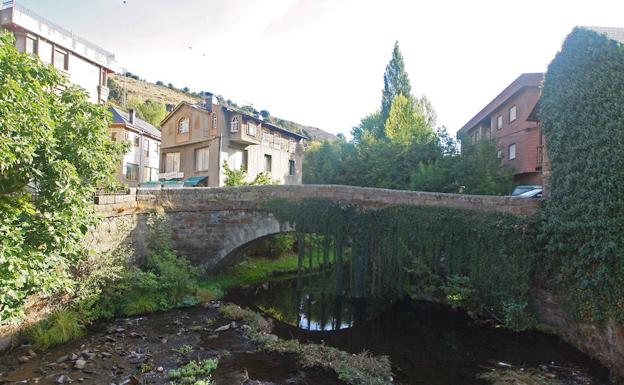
[(428, 344), (311, 304)]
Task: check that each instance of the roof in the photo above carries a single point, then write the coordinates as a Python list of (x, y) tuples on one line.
[(121, 117), (613, 33), (522, 81), (14, 14), (263, 122)]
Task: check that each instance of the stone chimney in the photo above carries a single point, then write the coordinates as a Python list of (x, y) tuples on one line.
[(131, 115), (208, 101)]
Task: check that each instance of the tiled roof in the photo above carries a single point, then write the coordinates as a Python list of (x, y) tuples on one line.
[(610, 32), (121, 117)]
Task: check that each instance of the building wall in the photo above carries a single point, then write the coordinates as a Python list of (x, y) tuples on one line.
[(86, 65), (525, 134), (238, 149), (148, 163)]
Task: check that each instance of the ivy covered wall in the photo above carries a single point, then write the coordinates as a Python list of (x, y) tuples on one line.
[(392, 251), (582, 114)]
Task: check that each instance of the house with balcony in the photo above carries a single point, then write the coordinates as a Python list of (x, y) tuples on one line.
[(198, 140), (510, 121), (141, 162), (83, 62)]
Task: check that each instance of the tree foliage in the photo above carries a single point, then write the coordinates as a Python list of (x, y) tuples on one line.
[(54, 150), (396, 81), (151, 111), (582, 114), (234, 177), (407, 122)]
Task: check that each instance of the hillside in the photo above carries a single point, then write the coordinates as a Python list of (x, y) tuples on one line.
[(172, 96)]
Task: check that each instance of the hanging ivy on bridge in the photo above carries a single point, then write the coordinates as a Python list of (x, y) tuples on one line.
[(391, 252)]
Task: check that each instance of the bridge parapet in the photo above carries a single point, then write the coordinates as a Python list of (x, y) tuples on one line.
[(251, 197)]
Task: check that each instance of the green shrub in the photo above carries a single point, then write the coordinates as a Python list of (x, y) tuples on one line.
[(459, 292), (61, 326), (194, 373)]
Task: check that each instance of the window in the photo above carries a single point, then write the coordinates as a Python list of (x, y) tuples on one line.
[(60, 59), (292, 146), (267, 163), (183, 126), (146, 147), (146, 174), (132, 171), (499, 122), (292, 170), (214, 121), (512, 151), (154, 174), (512, 114), (172, 162), (136, 141), (31, 45), (251, 129), (277, 140), (45, 51), (234, 125), (237, 160), (266, 137), (156, 149), (201, 159), (499, 154), (114, 136)]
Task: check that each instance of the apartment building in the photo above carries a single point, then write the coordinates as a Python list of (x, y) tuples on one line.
[(197, 140), (141, 162), (83, 62), (509, 119)]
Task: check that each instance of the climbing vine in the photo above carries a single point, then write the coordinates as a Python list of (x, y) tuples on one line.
[(582, 114), (392, 251)]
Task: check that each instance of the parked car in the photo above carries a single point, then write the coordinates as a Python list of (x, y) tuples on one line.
[(519, 190), (527, 192)]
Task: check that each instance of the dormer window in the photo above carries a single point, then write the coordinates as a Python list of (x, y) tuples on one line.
[(214, 120), (183, 126), (234, 125)]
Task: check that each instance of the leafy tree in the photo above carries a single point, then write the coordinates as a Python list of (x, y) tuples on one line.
[(407, 122), (238, 177), (149, 110), (186, 90), (160, 83), (55, 150), (265, 114), (396, 81), (372, 124)]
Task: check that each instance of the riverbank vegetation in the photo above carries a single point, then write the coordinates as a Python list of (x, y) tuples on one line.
[(55, 151)]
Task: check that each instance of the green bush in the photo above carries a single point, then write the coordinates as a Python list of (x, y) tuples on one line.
[(194, 373), (582, 114), (273, 247)]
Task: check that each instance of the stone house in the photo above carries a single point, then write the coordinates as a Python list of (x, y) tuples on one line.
[(141, 162), (83, 62), (509, 120), (197, 140)]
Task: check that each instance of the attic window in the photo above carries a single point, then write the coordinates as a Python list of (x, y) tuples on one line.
[(183, 126), (234, 125)]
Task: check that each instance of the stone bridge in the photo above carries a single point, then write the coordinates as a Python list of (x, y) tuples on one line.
[(214, 226)]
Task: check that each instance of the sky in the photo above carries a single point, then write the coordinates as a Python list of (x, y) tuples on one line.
[(321, 62)]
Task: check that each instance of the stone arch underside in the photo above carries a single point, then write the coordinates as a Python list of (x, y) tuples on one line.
[(215, 239)]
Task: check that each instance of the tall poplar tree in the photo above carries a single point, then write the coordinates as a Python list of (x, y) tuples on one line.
[(396, 81)]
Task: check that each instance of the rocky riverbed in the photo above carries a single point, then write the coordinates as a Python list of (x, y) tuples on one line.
[(142, 350)]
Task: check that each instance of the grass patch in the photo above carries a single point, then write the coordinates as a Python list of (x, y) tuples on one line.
[(354, 369), (63, 325)]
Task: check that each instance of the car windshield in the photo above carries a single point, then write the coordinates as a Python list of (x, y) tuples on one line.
[(522, 189)]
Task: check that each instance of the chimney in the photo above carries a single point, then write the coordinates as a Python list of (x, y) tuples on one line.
[(208, 101), (131, 115)]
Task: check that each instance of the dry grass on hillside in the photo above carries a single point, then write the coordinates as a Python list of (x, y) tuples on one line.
[(146, 90)]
